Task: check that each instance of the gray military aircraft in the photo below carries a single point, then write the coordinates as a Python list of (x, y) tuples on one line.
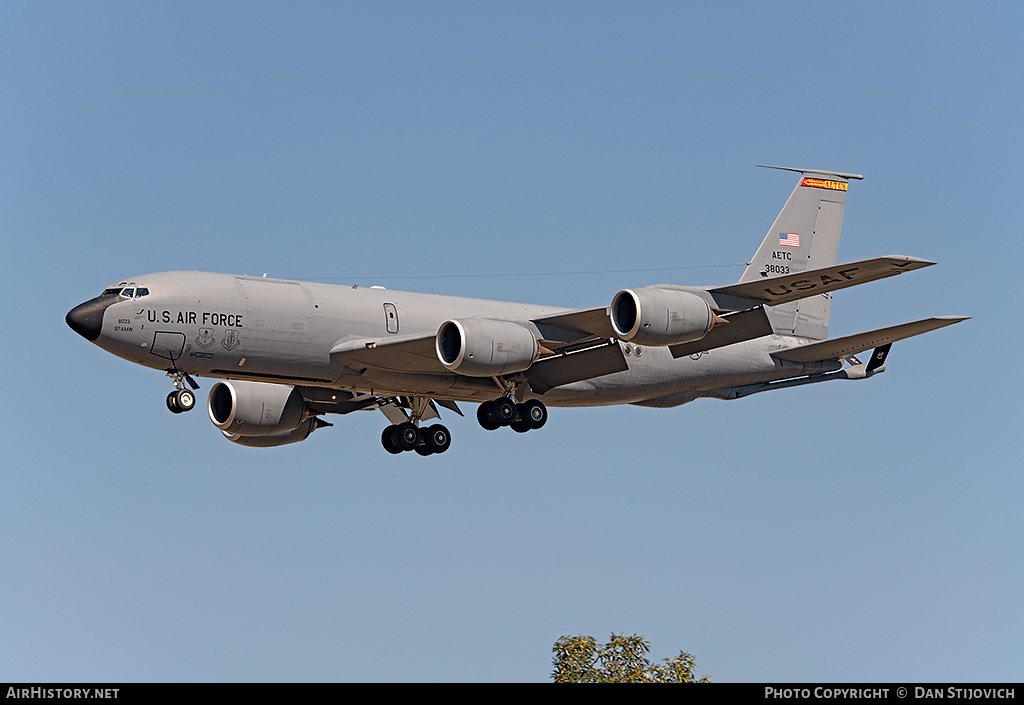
[(290, 352)]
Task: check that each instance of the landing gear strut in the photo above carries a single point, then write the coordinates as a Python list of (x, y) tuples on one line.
[(182, 399), (408, 435)]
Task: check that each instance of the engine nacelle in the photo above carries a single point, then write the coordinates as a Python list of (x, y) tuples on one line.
[(655, 316), (277, 439), (255, 409), (481, 347)]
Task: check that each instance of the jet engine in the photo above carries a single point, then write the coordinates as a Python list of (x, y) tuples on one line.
[(260, 413), (483, 347), (278, 439), (659, 317)]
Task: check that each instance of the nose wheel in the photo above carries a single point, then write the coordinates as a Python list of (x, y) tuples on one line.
[(181, 401)]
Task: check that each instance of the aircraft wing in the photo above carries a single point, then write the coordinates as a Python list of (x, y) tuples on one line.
[(575, 326), (839, 348), (772, 291), (559, 333), (406, 353), (336, 401), (576, 347)]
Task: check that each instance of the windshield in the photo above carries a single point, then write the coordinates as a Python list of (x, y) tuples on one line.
[(126, 292)]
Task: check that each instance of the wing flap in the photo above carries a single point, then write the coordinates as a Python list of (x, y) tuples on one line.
[(598, 361), (839, 348), (745, 325)]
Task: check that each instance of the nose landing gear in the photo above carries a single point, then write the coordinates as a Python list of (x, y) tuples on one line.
[(182, 399)]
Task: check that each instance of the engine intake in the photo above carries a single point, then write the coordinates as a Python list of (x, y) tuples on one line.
[(482, 347), (659, 317)]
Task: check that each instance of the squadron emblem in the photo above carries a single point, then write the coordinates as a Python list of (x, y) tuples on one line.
[(230, 341), (205, 338)]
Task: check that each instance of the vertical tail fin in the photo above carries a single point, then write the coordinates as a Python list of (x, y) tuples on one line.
[(804, 236)]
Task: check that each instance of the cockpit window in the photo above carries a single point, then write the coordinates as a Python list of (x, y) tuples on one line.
[(111, 292), (141, 291), (128, 293)]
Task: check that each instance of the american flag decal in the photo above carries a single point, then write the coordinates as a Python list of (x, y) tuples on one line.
[(789, 239)]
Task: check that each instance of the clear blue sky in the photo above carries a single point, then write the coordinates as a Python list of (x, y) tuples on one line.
[(555, 152)]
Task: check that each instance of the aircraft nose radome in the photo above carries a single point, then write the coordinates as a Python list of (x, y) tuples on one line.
[(87, 319)]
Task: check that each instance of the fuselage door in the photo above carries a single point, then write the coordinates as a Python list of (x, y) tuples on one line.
[(168, 344), (391, 318)]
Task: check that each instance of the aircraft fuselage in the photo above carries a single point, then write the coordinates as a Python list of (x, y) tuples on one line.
[(239, 327)]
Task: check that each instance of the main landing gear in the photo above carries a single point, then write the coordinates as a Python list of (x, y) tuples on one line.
[(492, 415), (405, 432), (182, 399), (398, 438), (524, 417)]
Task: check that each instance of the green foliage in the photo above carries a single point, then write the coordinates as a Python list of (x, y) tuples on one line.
[(579, 659)]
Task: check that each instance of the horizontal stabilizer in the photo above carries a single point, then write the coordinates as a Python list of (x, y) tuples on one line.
[(839, 348), (815, 172), (773, 291)]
